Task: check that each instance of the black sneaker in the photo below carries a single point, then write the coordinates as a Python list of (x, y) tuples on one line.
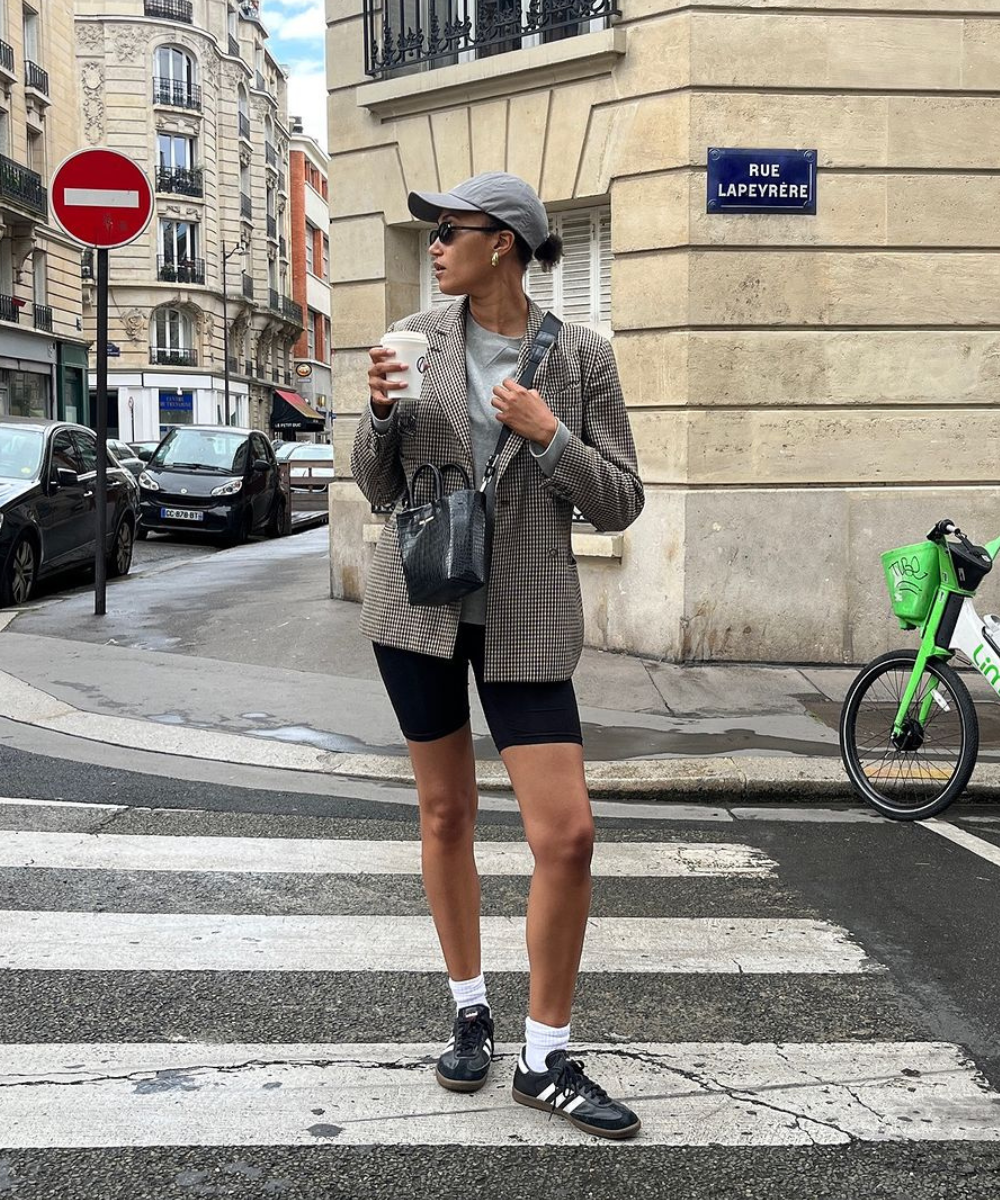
[(466, 1060), (563, 1089)]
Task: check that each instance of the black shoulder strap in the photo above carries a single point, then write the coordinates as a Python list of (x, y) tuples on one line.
[(545, 339)]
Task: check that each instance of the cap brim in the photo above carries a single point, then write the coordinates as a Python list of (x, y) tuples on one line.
[(428, 206)]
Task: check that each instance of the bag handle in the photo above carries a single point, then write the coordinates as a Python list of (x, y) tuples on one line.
[(545, 338), (411, 491)]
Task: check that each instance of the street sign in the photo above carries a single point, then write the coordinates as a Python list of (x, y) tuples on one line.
[(101, 198), (761, 181)]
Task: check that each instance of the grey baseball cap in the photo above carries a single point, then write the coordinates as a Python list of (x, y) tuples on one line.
[(506, 197)]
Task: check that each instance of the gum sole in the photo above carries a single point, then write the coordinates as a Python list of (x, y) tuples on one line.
[(617, 1134), (459, 1085)]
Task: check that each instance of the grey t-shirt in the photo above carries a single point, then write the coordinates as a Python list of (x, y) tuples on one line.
[(490, 358)]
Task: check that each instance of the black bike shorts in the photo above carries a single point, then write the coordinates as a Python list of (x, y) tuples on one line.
[(431, 696)]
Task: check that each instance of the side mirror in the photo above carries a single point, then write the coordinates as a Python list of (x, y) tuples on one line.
[(144, 453), (261, 464), (65, 477)]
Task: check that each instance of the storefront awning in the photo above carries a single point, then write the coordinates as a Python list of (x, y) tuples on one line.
[(290, 411)]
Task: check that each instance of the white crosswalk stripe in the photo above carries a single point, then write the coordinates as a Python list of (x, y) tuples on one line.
[(209, 1093)]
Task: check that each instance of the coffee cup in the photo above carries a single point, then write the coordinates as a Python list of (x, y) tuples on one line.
[(409, 347)]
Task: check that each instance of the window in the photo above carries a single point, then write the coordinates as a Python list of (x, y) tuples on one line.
[(39, 271), (36, 151), (311, 334), (310, 231), (87, 449), (578, 289), (32, 51), (65, 454), (178, 241), (174, 66), (4, 131), (176, 408), (172, 329), (326, 256), (6, 267), (175, 151)]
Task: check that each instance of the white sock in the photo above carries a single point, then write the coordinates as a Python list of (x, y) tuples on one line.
[(540, 1040), (466, 992)]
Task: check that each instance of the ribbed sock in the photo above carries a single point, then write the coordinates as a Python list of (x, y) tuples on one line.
[(468, 991), (540, 1040)]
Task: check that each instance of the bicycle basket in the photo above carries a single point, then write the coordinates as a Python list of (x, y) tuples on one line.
[(912, 575)]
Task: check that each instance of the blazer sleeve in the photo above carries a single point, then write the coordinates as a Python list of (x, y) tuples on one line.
[(598, 471), (375, 459)]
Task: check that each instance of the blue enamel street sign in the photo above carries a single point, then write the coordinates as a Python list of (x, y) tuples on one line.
[(751, 181)]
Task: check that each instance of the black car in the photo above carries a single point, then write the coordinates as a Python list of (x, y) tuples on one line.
[(213, 479), (48, 510)]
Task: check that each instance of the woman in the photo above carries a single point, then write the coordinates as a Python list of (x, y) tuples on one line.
[(522, 633)]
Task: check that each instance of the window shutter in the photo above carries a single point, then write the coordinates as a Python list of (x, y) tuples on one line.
[(541, 285), (604, 266), (576, 301)]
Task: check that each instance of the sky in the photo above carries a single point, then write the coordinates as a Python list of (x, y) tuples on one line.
[(297, 30)]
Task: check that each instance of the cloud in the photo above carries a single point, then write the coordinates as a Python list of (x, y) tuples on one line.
[(307, 98), (297, 21)]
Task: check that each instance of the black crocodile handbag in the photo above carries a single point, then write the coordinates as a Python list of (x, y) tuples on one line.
[(443, 542)]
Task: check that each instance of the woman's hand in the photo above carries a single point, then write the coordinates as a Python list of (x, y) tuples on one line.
[(525, 412), (379, 385)]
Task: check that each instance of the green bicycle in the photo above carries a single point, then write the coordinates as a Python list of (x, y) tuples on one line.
[(909, 735)]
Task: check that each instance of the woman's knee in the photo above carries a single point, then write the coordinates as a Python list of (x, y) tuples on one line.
[(447, 816), (566, 846)]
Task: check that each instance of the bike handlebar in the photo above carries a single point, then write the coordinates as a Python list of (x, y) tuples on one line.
[(942, 529)]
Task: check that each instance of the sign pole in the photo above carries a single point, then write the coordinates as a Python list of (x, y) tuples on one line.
[(100, 548)]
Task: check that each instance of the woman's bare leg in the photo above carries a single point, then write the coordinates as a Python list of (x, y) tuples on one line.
[(551, 790), (445, 771)]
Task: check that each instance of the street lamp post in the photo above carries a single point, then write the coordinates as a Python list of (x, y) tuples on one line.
[(239, 248)]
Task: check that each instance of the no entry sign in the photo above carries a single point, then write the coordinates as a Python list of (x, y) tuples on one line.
[(101, 198)]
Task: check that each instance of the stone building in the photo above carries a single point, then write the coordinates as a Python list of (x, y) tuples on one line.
[(189, 90), (309, 206), (43, 355), (805, 390)]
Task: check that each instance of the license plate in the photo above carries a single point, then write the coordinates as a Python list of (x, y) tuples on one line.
[(181, 514)]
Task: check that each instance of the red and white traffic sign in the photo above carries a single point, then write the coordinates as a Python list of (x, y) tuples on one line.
[(101, 198)]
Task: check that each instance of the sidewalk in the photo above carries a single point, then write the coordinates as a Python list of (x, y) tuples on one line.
[(242, 657)]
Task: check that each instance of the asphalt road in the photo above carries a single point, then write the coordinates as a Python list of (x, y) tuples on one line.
[(919, 906)]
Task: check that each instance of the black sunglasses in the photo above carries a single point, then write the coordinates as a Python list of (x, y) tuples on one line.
[(446, 231)]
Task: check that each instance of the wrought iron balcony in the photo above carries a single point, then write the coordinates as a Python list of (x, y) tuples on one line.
[(170, 10), (23, 187), (9, 310), (246, 207), (290, 310), (180, 270), (400, 34), (180, 181), (87, 264), (244, 126), (248, 286), (35, 77), (271, 156), (43, 317), (273, 300), (177, 92), (6, 57), (173, 358), (272, 227)]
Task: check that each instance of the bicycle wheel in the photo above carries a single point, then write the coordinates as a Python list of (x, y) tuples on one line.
[(920, 772)]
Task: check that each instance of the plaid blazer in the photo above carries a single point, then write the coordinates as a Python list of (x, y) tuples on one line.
[(534, 614)]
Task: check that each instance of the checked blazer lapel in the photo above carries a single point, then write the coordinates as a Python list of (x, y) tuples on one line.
[(515, 442), (446, 373)]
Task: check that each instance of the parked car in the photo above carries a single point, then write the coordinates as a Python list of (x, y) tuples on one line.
[(48, 514), (126, 457), (213, 479), (143, 450), (308, 478)]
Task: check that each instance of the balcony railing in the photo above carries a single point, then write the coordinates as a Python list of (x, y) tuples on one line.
[(399, 34), (233, 364), (180, 270), (273, 300), (248, 369), (272, 227), (271, 156), (246, 207), (9, 311), (6, 57), (35, 77), (290, 310), (23, 187), (180, 181), (234, 46), (43, 317), (87, 264), (170, 10), (244, 126), (173, 358), (177, 92), (248, 286)]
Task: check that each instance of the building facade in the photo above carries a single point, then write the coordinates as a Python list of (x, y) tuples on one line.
[(309, 205), (805, 390), (201, 319), (43, 354)]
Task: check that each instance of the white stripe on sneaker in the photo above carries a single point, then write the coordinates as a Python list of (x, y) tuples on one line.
[(544, 1095), (574, 1104), (48, 941), (694, 1094)]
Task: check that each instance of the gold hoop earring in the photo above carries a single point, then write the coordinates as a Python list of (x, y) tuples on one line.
[(495, 260)]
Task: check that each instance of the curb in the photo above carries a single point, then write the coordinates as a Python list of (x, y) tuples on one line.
[(723, 778)]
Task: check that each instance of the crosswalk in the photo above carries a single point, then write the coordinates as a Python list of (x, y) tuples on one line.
[(166, 933)]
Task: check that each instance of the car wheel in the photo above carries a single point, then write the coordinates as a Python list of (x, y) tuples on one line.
[(18, 578), (120, 557), (276, 521)]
